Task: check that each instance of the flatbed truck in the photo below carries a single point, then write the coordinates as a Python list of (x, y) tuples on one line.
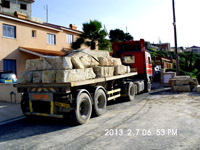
[(81, 98)]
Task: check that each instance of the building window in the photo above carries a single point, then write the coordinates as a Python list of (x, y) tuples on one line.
[(6, 4), (23, 6), (9, 31), (70, 38), (33, 33), (9, 65), (51, 39)]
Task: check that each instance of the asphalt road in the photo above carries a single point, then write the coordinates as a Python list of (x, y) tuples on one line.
[(161, 120)]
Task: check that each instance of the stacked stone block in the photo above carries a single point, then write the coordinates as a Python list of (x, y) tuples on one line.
[(183, 84), (77, 66)]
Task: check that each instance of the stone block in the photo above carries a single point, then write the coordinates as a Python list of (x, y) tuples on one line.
[(103, 71), (195, 81), (89, 61), (37, 77), (172, 82), (58, 62), (77, 64), (103, 61), (119, 70), (48, 63), (25, 77), (198, 88), (186, 81), (117, 61), (183, 88), (37, 64), (49, 76), (87, 52), (64, 76), (182, 77), (179, 81)]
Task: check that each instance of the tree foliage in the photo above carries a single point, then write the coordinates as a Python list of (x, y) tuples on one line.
[(119, 35), (92, 34)]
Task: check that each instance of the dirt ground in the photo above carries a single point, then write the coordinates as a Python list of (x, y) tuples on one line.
[(162, 120)]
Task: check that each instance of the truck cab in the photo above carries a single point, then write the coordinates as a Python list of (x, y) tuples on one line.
[(134, 54)]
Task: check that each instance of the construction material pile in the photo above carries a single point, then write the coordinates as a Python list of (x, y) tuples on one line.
[(184, 84), (77, 66)]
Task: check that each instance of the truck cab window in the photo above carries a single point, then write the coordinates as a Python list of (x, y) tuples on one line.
[(129, 59), (149, 59)]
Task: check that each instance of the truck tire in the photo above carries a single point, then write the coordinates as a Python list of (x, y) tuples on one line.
[(100, 102), (148, 86), (83, 110), (130, 91)]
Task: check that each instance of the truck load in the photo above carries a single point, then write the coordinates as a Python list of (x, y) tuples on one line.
[(79, 83)]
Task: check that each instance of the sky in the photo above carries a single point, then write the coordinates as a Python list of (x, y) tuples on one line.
[(150, 20)]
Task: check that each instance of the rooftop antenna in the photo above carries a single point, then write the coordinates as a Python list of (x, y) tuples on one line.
[(46, 7)]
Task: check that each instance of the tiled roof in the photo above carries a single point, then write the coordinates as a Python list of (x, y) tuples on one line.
[(45, 25), (40, 52)]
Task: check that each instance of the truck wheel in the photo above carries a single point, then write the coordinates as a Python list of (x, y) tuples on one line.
[(148, 86), (100, 102), (130, 91), (83, 110)]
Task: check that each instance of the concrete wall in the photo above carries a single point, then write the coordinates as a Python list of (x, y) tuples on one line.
[(9, 47), (5, 91), (15, 6)]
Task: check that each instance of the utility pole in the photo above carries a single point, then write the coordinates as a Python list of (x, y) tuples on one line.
[(175, 38)]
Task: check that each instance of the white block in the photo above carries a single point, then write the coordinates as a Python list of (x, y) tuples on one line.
[(101, 71), (64, 76), (25, 77), (48, 76), (77, 64)]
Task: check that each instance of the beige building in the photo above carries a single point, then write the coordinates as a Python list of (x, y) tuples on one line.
[(22, 39)]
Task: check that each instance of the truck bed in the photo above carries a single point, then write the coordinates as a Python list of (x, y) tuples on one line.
[(76, 83)]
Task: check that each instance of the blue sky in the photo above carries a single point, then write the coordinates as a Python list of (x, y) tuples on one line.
[(147, 19)]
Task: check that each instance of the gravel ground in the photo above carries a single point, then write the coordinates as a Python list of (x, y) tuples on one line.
[(162, 120)]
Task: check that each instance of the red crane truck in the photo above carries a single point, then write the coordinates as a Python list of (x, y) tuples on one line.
[(81, 98)]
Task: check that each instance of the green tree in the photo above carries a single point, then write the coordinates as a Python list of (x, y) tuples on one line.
[(105, 44), (92, 34), (119, 35)]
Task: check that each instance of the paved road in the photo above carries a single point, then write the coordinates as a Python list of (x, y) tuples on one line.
[(161, 120)]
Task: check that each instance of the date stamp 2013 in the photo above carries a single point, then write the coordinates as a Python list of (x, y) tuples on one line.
[(141, 132)]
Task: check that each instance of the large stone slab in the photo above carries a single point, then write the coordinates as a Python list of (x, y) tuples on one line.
[(101, 71), (77, 64), (87, 52), (49, 63), (183, 88), (37, 77), (48, 76), (37, 64), (109, 61), (89, 61), (25, 77), (58, 62), (181, 80), (121, 69), (182, 77), (117, 61), (64, 76)]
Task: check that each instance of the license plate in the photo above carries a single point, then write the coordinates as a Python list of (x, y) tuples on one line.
[(8, 81), (40, 97)]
